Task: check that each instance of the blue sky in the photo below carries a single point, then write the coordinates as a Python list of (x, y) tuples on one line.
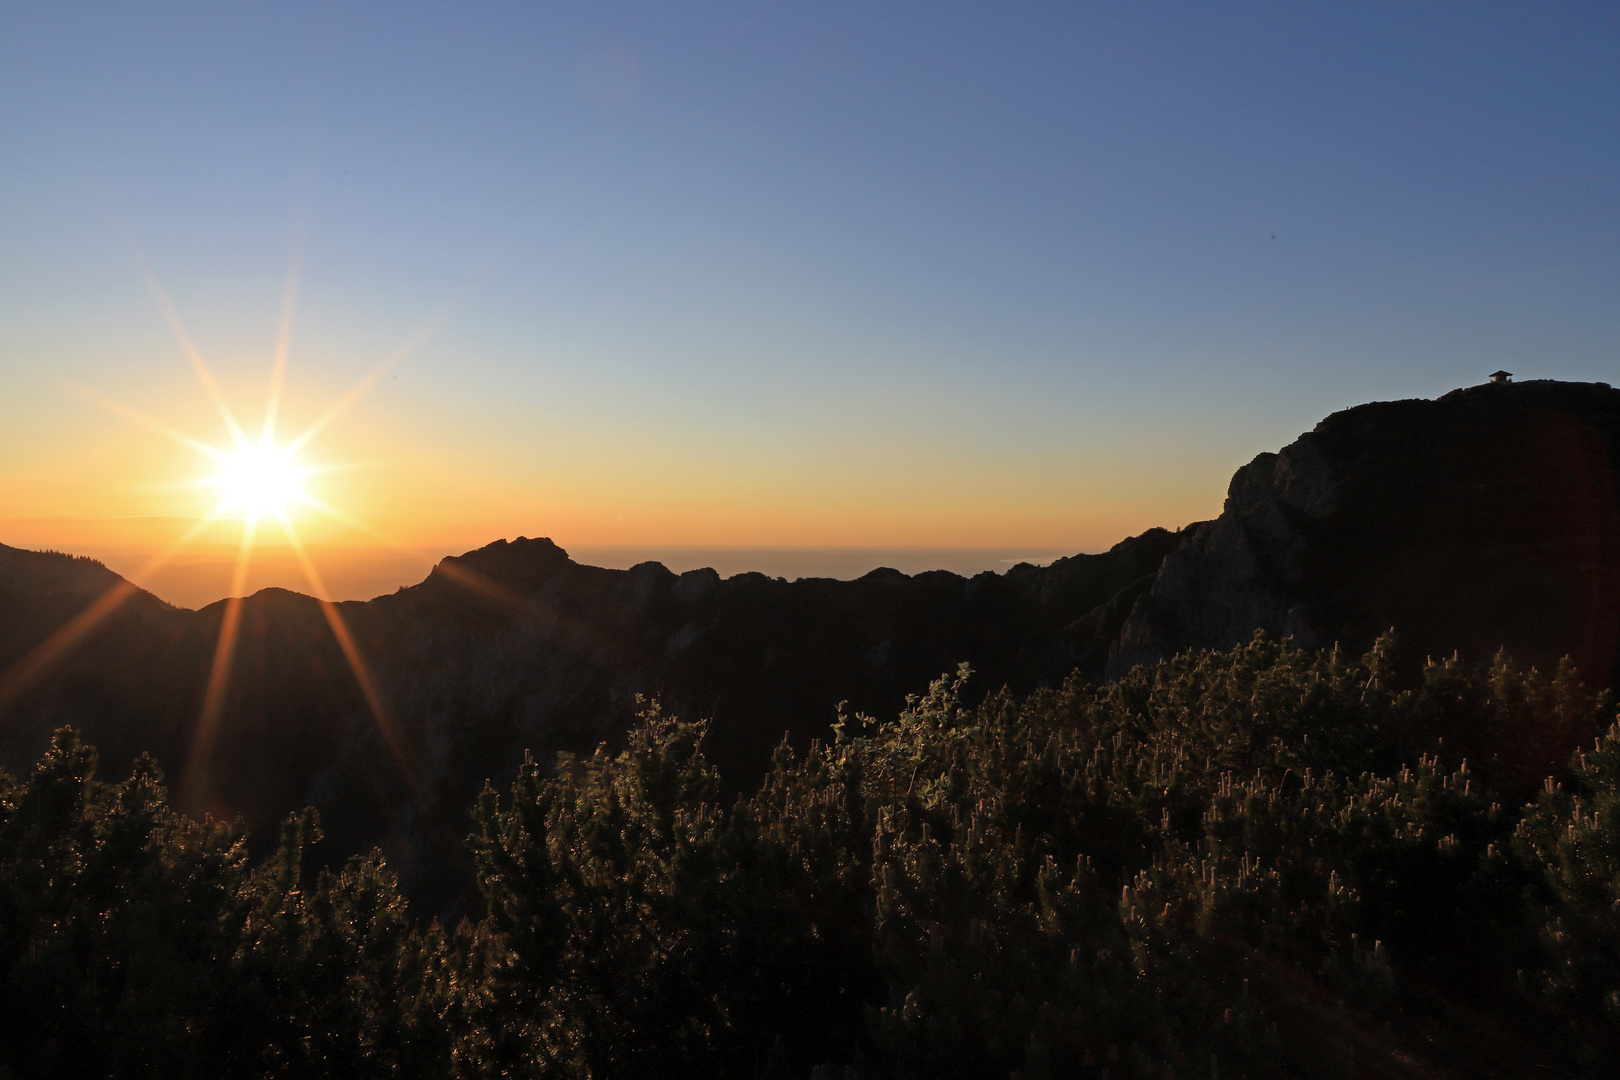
[(773, 274)]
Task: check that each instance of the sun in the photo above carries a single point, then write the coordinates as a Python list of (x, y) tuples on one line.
[(258, 478), (261, 481)]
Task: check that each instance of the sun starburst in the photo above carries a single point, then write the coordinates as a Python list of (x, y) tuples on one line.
[(259, 481)]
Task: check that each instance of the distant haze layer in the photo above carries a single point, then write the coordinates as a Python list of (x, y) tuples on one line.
[(199, 578)]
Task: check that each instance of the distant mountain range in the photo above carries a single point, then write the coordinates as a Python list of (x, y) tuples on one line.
[(513, 648), (1485, 519)]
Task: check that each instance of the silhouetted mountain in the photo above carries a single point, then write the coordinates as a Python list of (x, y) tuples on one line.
[(513, 648), (1485, 519), (52, 571)]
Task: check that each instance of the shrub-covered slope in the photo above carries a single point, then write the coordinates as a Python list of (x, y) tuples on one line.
[(1262, 862)]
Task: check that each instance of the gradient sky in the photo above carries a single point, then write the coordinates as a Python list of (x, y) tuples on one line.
[(768, 274)]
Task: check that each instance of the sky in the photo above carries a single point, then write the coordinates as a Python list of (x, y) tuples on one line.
[(670, 278)]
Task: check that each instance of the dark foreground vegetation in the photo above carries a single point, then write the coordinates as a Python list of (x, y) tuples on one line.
[(1267, 862)]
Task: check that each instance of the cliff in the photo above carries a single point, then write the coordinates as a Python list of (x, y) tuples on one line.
[(1486, 519)]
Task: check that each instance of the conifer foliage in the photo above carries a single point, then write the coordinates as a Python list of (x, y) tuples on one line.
[(1261, 862)]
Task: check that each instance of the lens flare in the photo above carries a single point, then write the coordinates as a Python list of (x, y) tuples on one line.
[(258, 481)]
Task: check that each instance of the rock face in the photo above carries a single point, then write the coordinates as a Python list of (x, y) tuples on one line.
[(1485, 519), (513, 648)]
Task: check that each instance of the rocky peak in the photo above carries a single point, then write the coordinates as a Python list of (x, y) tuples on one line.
[(1483, 519)]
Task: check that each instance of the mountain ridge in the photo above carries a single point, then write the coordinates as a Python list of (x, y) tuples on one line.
[(1484, 519), (514, 647)]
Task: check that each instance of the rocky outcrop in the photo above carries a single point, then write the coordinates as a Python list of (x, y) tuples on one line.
[(1241, 572), (1485, 519)]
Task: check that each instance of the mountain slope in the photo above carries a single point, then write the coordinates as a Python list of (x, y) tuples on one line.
[(513, 648)]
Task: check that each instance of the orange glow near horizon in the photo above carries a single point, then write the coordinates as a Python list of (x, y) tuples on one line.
[(434, 469), (582, 481)]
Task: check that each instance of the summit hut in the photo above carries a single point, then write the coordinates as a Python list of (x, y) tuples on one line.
[(1501, 376)]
